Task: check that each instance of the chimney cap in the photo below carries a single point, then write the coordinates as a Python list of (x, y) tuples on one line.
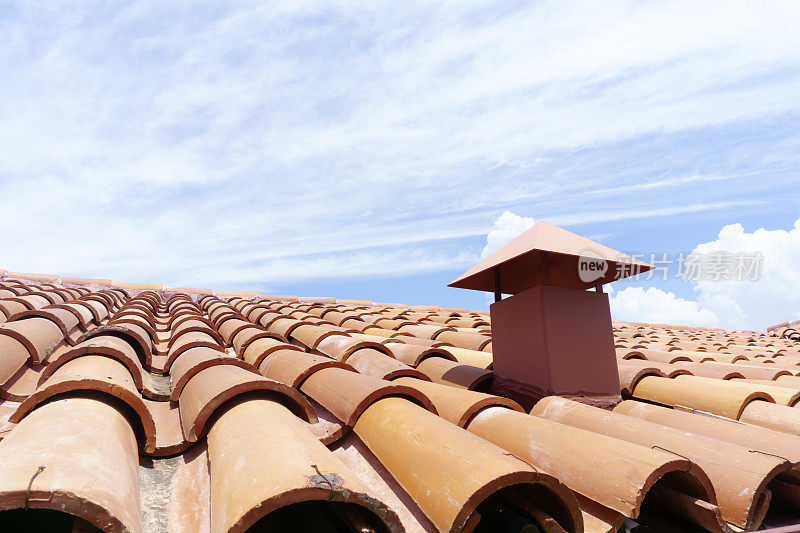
[(548, 255)]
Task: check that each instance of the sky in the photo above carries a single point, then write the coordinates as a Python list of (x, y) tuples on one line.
[(369, 151)]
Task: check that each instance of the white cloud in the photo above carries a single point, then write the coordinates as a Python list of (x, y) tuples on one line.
[(507, 227), (257, 142), (770, 299), (752, 304), (652, 305)]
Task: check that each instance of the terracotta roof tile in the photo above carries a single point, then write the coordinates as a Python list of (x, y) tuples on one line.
[(374, 362), (287, 466), (552, 446), (456, 405), (87, 281), (740, 492), (348, 394), (753, 437), (213, 386), (93, 476), (137, 286), (39, 335), (293, 367), (187, 290), (719, 397), (441, 370), (404, 398), (450, 473), (630, 375), (31, 277), (98, 374), (195, 360), (341, 347), (112, 347)]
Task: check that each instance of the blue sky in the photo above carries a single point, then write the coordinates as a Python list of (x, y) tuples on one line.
[(326, 148)]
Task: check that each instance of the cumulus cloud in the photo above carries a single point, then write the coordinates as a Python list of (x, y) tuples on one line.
[(506, 228), (652, 305), (766, 295), (773, 296)]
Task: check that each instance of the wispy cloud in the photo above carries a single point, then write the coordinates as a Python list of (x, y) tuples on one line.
[(245, 141), (649, 212)]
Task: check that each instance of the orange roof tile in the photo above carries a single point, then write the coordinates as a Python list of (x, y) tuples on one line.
[(137, 286), (182, 378), (31, 277)]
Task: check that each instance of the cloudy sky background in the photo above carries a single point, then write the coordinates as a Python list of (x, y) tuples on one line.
[(366, 151)]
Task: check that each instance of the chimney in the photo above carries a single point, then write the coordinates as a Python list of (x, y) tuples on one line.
[(552, 335)]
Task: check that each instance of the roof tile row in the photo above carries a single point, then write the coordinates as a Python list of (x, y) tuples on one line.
[(321, 406)]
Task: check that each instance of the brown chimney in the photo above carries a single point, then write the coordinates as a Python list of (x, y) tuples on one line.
[(552, 336)]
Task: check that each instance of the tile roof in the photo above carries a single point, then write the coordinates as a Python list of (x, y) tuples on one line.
[(126, 408)]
